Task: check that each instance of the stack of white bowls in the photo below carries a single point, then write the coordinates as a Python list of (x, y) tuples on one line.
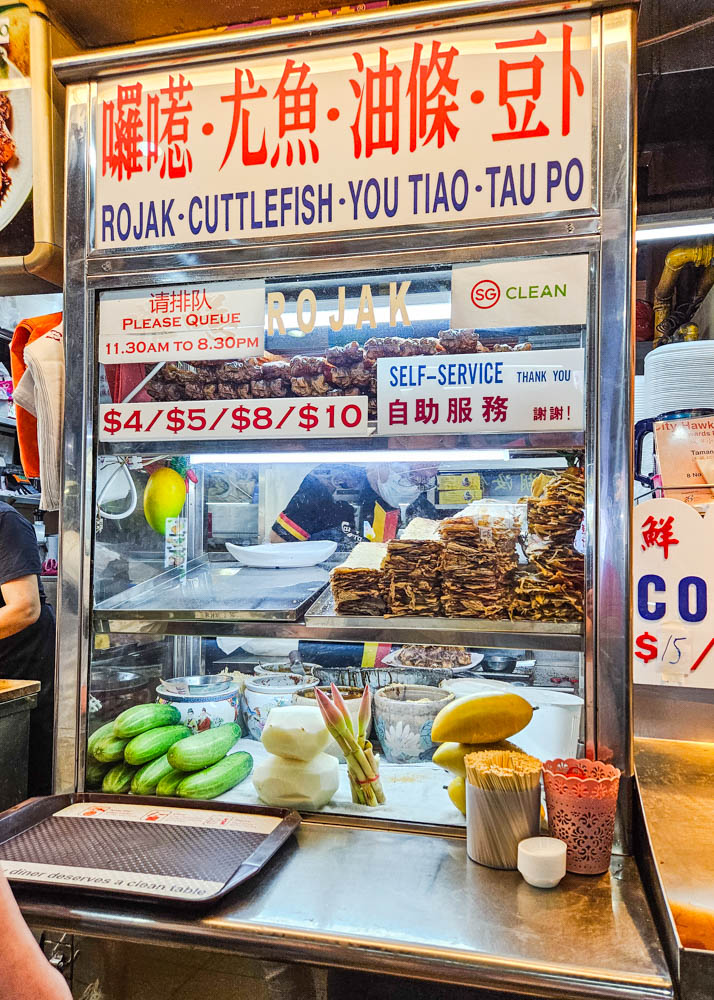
[(680, 377)]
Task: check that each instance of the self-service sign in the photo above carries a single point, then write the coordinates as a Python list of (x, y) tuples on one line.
[(442, 126), (490, 393), (673, 594)]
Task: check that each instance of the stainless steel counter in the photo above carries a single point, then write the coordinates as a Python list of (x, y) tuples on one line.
[(676, 787), (413, 906)]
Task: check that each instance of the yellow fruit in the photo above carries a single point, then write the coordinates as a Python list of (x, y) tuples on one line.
[(486, 717), (450, 756), (164, 496), (457, 793)]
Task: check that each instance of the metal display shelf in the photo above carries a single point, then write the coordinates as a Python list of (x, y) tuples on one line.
[(533, 444), (442, 631), (125, 614), (207, 591)]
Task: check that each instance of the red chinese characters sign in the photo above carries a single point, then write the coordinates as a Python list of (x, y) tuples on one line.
[(479, 123), (673, 591)]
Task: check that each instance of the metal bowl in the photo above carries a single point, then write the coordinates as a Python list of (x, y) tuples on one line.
[(500, 664)]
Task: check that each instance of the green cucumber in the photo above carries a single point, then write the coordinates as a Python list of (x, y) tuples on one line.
[(154, 743), (218, 778), (147, 777), (99, 734), (170, 782), (141, 718), (94, 773), (118, 780), (205, 748), (110, 749)]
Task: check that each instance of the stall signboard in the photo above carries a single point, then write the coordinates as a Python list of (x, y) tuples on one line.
[(446, 126), (219, 419), (490, 393), (207, 321), (545, 291), (673, 594)]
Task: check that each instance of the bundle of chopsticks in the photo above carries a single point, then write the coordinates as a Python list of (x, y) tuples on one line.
[(506, 808)]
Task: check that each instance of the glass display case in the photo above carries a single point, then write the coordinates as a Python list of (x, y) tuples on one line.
[(379, 452)]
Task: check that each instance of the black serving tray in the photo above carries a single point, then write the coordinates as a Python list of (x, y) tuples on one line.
[(133, 847)]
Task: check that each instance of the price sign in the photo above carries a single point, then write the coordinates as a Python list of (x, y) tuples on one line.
[(211, 321), (673, 632), (317, 416)]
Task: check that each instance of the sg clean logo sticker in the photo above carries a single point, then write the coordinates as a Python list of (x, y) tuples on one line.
[(506, 294), (485, 294)]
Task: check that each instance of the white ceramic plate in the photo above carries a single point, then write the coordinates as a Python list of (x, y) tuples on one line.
[(20, 168), (282, 554), (393, 661)]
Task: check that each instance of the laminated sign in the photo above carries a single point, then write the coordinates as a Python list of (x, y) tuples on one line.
[(490, 393), (673, 576), (443, 126), (210, 321)]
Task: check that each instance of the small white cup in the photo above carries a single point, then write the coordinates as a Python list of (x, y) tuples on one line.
[(541, 861)]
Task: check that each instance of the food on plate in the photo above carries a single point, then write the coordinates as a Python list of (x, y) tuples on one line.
[(118, 779), (480, 560), (451, 755), (155, 743), (297, 784), (8, 148), (486, 717), (295, 731), (216, 779), (357, 585), (203, 749), (141, 718), (412, 570), (434, 656), (164, 496), (457, 793), (147, 777)]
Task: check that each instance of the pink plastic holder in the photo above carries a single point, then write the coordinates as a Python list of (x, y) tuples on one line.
[(581, 798)]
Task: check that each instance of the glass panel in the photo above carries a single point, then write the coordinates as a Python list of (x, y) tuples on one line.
[(426, 565)]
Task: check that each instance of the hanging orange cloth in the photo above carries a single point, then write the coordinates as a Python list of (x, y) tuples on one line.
[(27, 331)]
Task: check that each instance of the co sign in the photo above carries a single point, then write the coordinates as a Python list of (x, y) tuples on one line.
[(485, 294)]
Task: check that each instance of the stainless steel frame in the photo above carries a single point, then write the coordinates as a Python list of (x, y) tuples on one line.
[(605, 232)]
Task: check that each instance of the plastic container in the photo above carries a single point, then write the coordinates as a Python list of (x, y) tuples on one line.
[(541, 861), (554, 729), (496, 823), (581, 799)]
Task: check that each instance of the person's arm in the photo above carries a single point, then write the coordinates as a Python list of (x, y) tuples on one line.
[(22, 605), (26, 973), (275, 537)]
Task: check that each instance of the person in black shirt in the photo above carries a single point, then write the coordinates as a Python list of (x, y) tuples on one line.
[(27, 636), (316, 511)]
